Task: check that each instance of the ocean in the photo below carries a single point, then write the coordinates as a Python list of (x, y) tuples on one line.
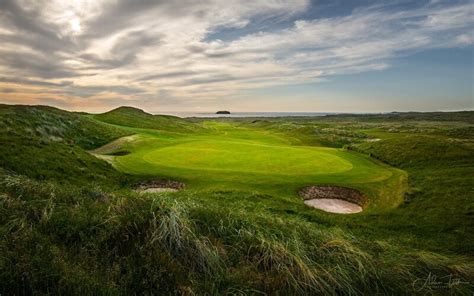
[(243, 114)]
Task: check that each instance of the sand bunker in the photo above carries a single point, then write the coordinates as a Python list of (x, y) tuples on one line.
[(334, 205), (156, 186), (333, 199)]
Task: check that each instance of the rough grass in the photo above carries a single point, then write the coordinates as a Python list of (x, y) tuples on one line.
[(133, 117), (48, 125), (89, 241), (46, 143), (438, 207)]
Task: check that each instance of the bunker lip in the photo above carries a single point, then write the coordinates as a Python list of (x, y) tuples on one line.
[(154, 186), (334, 199)]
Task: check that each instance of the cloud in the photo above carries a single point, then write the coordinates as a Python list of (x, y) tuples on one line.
[(27, 21), (66, 88), (144, 49), (123, 52), (25, 81), (35, 65), (7, 90), (171, 74)]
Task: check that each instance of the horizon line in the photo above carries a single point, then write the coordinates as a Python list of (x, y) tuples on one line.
[(233, 112)]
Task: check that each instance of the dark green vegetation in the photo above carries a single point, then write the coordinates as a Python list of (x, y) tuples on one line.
[(66, 232)]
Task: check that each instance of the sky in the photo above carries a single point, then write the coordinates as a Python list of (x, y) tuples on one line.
[(260, 55)]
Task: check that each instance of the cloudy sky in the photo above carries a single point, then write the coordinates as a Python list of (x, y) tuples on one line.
[(260, 55)]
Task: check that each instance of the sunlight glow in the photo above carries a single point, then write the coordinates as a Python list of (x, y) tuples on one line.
[(75, 25)]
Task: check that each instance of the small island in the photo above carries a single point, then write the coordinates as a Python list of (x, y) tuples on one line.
[(222, 112)]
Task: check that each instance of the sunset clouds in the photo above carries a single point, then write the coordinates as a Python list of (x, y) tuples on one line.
[(94, 55)]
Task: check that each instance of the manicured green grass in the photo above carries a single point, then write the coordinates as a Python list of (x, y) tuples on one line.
[(239, 158)]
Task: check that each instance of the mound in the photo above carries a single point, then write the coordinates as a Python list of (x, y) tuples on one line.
[(133, 117)]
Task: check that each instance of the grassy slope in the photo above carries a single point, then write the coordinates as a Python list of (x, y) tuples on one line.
[(439, 207), (89, 241), (78, 239), (133, 117), (46, 143)]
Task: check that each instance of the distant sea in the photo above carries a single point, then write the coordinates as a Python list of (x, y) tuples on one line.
[(243, 114)]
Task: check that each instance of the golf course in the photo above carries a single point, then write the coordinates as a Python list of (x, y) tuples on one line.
[(234, 148), (127, 202), (231, 157)]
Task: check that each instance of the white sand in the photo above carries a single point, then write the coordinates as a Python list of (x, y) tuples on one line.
[(334, 205), (156, 189)]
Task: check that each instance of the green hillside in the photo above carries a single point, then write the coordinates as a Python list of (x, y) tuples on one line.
[(46, 143), (440, 202), (133, 117)]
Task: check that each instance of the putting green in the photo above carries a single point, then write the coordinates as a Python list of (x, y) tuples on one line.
[(248, 158), (228, 157)]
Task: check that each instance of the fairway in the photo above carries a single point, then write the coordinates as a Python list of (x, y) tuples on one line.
[(230, 157)]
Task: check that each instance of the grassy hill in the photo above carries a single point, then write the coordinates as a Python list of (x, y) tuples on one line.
[(72, 224), (133, 117), (46, 143)]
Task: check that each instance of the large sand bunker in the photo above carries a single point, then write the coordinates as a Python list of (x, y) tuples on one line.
[(333, 199)]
